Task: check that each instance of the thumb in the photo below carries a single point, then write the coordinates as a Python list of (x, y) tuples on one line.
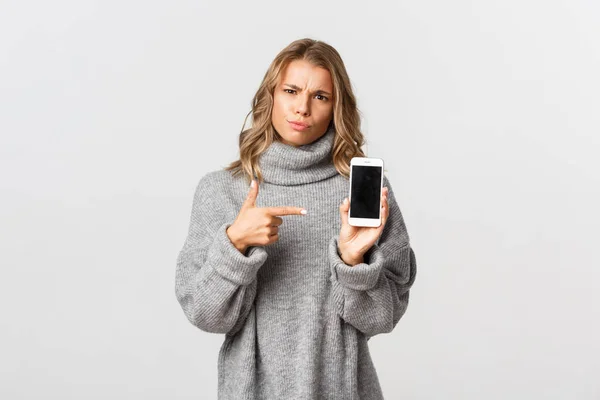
[(252, 195), (344, 208)]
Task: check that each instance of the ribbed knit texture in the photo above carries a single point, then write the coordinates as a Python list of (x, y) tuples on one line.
[(296, 318)]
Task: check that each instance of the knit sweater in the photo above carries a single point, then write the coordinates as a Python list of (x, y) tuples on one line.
[(296, 318)]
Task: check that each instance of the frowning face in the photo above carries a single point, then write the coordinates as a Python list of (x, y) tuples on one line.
[(304, 94)]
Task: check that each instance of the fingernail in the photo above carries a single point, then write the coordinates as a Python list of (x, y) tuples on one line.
[(303, 211), (345, 200), (252, 183)]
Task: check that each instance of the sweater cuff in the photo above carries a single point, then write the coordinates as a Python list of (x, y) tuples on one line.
[(363, 276), (230, 263)]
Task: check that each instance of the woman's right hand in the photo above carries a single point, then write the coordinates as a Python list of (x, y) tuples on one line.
[(258, 226)]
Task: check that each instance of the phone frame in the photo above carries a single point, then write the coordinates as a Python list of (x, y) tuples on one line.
[(369, 162)]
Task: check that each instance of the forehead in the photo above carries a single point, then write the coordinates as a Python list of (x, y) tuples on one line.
[(303, 73)]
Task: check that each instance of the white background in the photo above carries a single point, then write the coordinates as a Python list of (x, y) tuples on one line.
[(486, 113)]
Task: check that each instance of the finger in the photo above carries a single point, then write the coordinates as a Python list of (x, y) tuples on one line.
[(252, 194), (385, 212), (384, 195), (276, 221), (273, 238), (344, 208), (385, 192), (284, 210)]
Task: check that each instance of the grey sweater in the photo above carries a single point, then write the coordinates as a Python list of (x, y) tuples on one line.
[(296, 318)]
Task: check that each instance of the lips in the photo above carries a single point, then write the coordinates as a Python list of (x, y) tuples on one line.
[(298, 126), (298, 123)]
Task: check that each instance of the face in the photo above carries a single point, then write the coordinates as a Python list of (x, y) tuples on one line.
[(304, 94)]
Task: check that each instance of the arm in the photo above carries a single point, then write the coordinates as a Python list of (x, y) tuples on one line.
[(215, 283), (373, 295)]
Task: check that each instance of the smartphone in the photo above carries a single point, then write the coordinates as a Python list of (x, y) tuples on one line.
[(366, 185)]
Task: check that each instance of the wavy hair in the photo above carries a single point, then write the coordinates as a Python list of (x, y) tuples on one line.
[(348, 139)]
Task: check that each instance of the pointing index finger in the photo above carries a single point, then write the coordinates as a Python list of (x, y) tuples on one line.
[(278, 211)]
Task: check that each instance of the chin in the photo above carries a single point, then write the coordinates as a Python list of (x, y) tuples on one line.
[(293, 138)]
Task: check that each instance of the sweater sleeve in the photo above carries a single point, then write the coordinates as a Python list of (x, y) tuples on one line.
[(372, 296), (215, 283)]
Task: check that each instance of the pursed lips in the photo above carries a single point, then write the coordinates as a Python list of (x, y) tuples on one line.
[(299, 123)]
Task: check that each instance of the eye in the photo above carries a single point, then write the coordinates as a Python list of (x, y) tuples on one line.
[(292, 91)]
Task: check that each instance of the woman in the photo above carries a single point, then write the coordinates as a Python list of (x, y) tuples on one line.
[(294, 288)]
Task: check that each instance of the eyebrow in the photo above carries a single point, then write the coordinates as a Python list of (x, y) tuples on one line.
[(316, 91)]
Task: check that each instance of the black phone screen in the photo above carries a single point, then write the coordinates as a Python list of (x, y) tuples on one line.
[(365, 192)]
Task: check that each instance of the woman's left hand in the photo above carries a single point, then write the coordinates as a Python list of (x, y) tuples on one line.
[(355, 241)]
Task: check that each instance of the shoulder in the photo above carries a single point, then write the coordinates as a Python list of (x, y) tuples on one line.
[(218, 177), (386, 180), (217, 185), (392, 199), (387, 183)]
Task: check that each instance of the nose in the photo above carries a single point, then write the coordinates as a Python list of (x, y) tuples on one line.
[(302, 106)]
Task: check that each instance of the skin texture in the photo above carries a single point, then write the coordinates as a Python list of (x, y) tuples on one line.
[(297, 98), (303, 104), (257, 226)]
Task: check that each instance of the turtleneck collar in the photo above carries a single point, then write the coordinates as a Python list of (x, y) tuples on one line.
[(283, 164)]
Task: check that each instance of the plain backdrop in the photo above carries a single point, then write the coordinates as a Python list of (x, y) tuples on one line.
[(485, 112)]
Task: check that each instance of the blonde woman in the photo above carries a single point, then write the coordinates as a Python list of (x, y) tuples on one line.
[(270, 259)]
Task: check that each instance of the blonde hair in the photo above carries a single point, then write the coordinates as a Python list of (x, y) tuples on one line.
[(348, 139)]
